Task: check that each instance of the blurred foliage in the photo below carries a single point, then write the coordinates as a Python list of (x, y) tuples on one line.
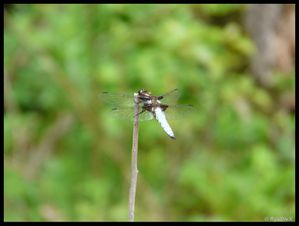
[(67, 159)]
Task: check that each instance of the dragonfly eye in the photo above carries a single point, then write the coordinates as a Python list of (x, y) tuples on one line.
[(143, 92), (144, 98)]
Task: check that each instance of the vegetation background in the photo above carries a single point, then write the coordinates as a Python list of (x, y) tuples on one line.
[(67, 159)]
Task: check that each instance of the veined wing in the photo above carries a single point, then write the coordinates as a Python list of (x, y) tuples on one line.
[(115, 100), (127, 113), (179, 111), (171, 97)]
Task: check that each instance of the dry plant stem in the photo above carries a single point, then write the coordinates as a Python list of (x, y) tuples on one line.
[(134, 170)]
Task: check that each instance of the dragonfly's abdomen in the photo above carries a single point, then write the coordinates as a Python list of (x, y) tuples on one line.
[(160, 116)]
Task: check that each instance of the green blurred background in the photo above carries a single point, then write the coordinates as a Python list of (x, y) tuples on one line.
[(65, 158)]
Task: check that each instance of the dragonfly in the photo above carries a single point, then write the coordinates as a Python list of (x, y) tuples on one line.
[(149, 107)]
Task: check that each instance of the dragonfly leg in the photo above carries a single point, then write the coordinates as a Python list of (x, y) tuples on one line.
[(143, 110)]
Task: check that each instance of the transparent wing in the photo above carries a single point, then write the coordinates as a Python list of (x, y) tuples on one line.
[(171, 97), (180, 111), (127, 113), (115, 100)]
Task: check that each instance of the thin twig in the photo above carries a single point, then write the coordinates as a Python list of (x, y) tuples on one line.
[(134, 170)]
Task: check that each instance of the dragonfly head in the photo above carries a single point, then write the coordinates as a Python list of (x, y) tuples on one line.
[(143, 92), (144, 96)]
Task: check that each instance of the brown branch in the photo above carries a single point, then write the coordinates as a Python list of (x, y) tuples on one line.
[(134, 170)]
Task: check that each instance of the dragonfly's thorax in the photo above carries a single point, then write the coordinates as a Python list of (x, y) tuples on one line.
[(149, 101)]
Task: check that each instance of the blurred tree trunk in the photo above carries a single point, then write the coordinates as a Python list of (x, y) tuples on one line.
[(272, 27)]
